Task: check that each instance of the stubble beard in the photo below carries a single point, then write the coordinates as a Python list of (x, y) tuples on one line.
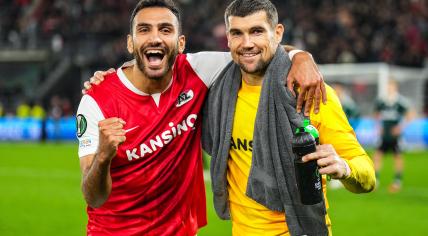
[(259, 70), (138, 55)]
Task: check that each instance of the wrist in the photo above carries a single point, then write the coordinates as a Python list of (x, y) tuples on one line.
[(347, 170), (297, 52), (103, 157)]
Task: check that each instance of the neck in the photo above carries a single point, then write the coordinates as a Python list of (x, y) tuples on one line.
[(144, 84), (252, 79)]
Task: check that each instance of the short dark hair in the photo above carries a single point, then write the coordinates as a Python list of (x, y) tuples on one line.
[(244, 8), (156, 3)]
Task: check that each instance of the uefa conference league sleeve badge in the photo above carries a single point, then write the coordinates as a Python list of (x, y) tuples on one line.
[(81, 125)]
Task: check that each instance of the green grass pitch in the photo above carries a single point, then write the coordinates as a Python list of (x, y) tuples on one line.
[(40, 195)]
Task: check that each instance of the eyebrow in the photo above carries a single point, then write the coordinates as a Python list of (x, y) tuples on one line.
[(234, 30), (257, 28), (142, 24), (165, 25)]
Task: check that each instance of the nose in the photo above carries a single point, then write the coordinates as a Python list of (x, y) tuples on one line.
[(247, 42), (155, 39)]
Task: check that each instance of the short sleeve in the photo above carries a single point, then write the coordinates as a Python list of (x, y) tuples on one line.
[(208, 65), (87, 118)]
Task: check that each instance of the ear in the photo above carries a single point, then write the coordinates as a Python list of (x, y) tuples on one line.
[(181, 43), (130, 44), (279, 32), (228, 38)]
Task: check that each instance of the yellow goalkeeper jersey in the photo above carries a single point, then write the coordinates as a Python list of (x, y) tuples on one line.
[(251, 218)]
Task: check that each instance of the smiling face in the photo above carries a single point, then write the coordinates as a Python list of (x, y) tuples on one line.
[(253, 41), (155, 41)]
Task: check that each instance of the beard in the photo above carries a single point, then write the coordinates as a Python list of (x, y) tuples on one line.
[(170, 54), (260, 68)]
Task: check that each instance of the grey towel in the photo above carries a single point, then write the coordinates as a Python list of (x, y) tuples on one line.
[(272, 181)]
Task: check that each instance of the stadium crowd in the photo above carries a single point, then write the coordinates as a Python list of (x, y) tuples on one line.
[(92, 32), (334, 31)]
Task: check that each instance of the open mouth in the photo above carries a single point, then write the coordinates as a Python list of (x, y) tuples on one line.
[(154, 56)]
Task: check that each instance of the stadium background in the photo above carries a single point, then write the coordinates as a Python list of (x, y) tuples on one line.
[(49, 47)]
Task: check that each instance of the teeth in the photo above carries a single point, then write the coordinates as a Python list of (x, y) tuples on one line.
[(249, 54), (154, 52)]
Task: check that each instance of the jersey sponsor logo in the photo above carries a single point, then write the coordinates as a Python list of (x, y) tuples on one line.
[(164, 138), (241, 144), (81, 125), (184, 98)]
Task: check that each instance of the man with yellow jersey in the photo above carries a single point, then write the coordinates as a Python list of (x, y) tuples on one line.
[(232, 113)]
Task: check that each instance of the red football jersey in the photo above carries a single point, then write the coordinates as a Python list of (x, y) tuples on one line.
[(157, 175)]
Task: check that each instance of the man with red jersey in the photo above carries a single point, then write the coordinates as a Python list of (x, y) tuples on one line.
[(139, 132)]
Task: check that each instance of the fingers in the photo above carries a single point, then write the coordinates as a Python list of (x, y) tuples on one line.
[(329, 170), (323, 151), (111, 121), (114, 129), (112, 125), (98, 77), (290, 85), (309, 101), (336, 170), (301, 99), (315, 155), (111, 132), (323, 90), (328, 161), (317, 100), (115, 140), (87, 85)]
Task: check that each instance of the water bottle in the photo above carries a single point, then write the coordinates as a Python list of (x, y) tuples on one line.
[(307, 175)]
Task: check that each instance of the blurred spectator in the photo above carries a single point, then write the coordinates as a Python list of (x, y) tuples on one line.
[(1, 109), (395, 32), (55, 114), (37, 111), (66, 108), (23, 110), (55, 111), (92, 35)]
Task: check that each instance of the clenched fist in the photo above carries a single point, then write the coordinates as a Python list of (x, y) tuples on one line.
[(111, 135)]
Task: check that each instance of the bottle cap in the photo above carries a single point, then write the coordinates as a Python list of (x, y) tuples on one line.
[(307, 127)]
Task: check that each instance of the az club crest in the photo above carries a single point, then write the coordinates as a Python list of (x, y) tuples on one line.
[(184, 98)]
